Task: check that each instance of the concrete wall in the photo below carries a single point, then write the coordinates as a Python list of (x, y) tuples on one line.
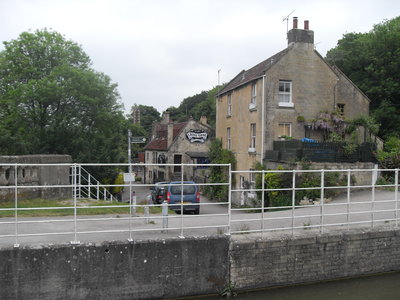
[(192, 266), (140, 270)]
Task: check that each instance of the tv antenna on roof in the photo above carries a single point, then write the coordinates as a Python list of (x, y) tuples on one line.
[(287, 20)]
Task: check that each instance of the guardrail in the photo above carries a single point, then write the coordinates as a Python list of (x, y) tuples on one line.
[(282, 200)]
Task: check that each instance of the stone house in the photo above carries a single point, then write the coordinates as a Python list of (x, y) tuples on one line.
[(278, 97), (177, 143)]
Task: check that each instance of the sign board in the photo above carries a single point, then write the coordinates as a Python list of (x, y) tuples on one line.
[(197, 135), (128, 177), (138, 139)]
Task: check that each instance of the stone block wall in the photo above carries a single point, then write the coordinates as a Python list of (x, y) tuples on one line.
[(286, 261), (33, 174)]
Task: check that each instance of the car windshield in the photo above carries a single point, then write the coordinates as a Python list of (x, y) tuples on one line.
[(187, 189)]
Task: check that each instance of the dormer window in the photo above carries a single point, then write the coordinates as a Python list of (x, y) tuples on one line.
[(285, 93)]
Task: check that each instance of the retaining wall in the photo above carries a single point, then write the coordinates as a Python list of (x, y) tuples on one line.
[(191, 266)]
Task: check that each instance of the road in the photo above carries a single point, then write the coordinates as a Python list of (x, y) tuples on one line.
[(213, 219)]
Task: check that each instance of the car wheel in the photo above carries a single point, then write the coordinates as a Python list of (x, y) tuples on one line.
[(197, 211), (178, 212)]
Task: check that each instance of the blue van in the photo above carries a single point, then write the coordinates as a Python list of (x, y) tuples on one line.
[(190, 194)]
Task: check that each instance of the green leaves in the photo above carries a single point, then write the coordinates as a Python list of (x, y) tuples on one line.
[(51, 101), (372, 61)]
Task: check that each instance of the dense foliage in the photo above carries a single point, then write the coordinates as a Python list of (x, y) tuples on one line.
[(218, 155), (196, 106), (372, 61), (51, 101)]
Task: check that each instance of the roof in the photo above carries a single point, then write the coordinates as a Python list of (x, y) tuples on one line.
[(253, 73), (160, 142)]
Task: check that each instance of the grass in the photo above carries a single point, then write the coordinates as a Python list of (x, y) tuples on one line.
[(66, 208)]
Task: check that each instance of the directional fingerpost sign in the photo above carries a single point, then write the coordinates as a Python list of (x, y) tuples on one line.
[(138, 139)]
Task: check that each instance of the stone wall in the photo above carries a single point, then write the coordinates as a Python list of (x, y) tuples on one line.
[(192, 266), (272, 262), (33, 174)]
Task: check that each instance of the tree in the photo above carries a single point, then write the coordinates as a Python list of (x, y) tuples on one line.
[(52, 101), (219, 155), (372, 61), (148, 116)]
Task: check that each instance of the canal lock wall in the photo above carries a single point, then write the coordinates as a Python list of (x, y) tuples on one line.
[(192, 266)]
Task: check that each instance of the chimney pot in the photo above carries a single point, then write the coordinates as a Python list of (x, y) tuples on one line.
[(306, 24), (294, 22)]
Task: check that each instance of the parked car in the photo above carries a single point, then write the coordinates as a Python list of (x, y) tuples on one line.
[(191, 196), (157, 192)]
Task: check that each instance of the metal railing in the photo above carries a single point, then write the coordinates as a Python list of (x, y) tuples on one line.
[(278, 201), (87, 185)]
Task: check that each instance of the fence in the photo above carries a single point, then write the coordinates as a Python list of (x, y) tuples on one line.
[(321, 151), (282, 201)]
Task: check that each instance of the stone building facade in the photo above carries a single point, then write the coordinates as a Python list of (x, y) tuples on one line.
[(279, 97), (178, 143)]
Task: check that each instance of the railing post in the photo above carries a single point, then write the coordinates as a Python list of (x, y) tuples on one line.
[(293, 199), (396, 191), (164, 207), (79, 181), (181, 235), (372, 201), (262, 202), (98, 191), (75, 241), (89, 187), (229, 199), (322, 201), (16, 244), (348, 199)]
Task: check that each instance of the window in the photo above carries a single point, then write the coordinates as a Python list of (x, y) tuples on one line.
[(253, 93), (154, 157), (252, 147), (241, 182), (228, 138), (285, 129), (253, 99), (252, 177), (340, 109), (229, 111), (285, 93)]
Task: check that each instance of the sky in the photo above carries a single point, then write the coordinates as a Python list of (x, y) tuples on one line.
[(162, 51)]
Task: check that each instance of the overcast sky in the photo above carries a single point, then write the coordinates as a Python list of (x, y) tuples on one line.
[(162, 51)]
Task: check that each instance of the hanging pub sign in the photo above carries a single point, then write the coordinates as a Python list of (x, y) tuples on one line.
[(196, 135)]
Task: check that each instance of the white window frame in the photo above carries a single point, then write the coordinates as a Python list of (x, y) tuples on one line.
[(253, 98), (228, 138), (229, 108), (284, 124), (252, 177), (282, 95), (253, 137)]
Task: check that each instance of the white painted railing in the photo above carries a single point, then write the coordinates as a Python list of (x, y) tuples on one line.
[(367, 204)]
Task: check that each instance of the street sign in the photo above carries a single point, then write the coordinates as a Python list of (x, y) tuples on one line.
[(128, 177), (138, 139)]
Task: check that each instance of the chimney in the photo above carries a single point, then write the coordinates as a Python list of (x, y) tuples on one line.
[(203, 120), (296, 35), (165, 118), (170, 134), (294, 22)]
